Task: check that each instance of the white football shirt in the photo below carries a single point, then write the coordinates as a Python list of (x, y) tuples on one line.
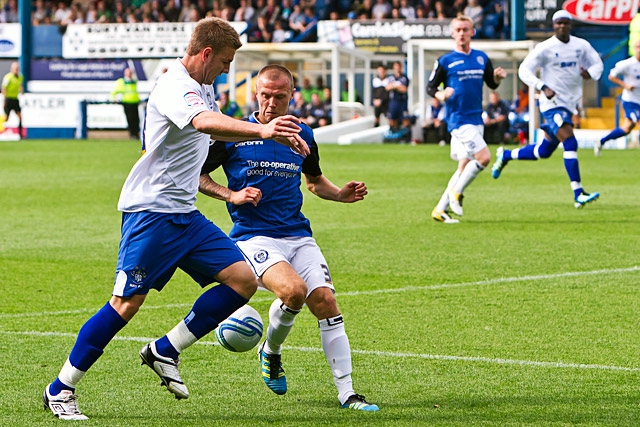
[(629, 71), (559, 64), (166, 177)]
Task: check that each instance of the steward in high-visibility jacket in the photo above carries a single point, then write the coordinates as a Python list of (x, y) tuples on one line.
[(126, 89)]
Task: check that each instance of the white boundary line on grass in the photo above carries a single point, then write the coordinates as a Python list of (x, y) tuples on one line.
[(369, 292), (498, 361)]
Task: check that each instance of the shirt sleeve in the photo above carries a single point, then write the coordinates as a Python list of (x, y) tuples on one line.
[(593, 62), (527, 69), (217, 156), (438, 76)]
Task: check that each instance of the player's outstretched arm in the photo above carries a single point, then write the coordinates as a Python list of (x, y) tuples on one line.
[(352, 191), (212, 189)]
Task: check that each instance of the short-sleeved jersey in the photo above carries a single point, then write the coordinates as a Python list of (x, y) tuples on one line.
[(629, 71), (560, 65), (166, 177), (396, 95), (276, 170), (12, 85), (465, 73)]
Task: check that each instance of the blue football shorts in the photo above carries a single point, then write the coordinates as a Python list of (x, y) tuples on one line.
[(154, 245), (631, 111), (397, 110), (555, 118)]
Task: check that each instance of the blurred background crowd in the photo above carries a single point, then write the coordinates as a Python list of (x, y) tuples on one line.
[(268, 20)]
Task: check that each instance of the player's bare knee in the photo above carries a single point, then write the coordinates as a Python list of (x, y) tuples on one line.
[(293, 294)]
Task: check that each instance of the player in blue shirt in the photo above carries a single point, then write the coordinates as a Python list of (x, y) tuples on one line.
[(461, 74), (264, 200), (161, 228)]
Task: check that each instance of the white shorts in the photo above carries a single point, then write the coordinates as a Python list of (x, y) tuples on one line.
[(467, 141), (302, 253)]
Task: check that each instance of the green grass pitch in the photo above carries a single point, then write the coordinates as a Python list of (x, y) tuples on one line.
[(526, 313)]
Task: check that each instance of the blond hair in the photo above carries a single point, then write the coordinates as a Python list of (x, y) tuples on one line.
[(215, 33)]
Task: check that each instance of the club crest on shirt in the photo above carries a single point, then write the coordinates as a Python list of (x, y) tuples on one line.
[(192, 99), (261, 256), (480, 60)]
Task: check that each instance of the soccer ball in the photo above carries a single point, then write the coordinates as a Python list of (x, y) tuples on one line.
[(241, 331)]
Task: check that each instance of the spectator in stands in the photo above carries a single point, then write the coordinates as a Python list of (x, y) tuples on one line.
[(286, 9), (61, 13), (230, 108), (252, 106), (407, 10), (269, 15), (298, 107), (380, 95), (279, 34), (91, 16), (381, 10), (434, 126), (440, 10), (9, 12), (363, 11), (475, 11), (39, 13), (103, 12), (245, 12), (320, 87), (185, 11), (296, 20), (171, 11), (344, 94), (307, 90), (317, 114), (496, 120), (457, 8), (309, 19), (119, 12)]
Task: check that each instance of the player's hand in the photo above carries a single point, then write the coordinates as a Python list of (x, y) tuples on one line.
[(296, 143), (246, 195), (499, 74), (585, 74), (352, 191), (445, 94), (548, 92), (285, 130)]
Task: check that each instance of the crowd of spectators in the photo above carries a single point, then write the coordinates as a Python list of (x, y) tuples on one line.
[(267, 20)]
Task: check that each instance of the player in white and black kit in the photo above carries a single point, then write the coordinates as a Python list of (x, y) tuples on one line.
[(564, 61), (629, 70), (161, 228), (264, 201), (457, 80)]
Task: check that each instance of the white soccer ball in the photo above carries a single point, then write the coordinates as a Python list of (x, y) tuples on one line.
[(241, 331)]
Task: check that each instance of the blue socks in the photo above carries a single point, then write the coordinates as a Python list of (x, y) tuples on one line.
[(614, 134), (93, 337), (212, 307)]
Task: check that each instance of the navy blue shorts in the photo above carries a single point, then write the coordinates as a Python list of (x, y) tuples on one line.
[(397, 110), (154, 245)]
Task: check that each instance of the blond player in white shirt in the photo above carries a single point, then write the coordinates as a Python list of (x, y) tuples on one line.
[(161, 228), (564, 61), (629, 70)]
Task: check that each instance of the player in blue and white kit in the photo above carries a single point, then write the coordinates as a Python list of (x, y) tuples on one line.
[(629, 70), (564, 61), (462, 72), (264, 201), (161, 228)]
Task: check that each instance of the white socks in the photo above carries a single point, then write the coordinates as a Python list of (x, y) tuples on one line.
[(338, 352), (181, 337), (281, 320), (467, 176), (70, 375)]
